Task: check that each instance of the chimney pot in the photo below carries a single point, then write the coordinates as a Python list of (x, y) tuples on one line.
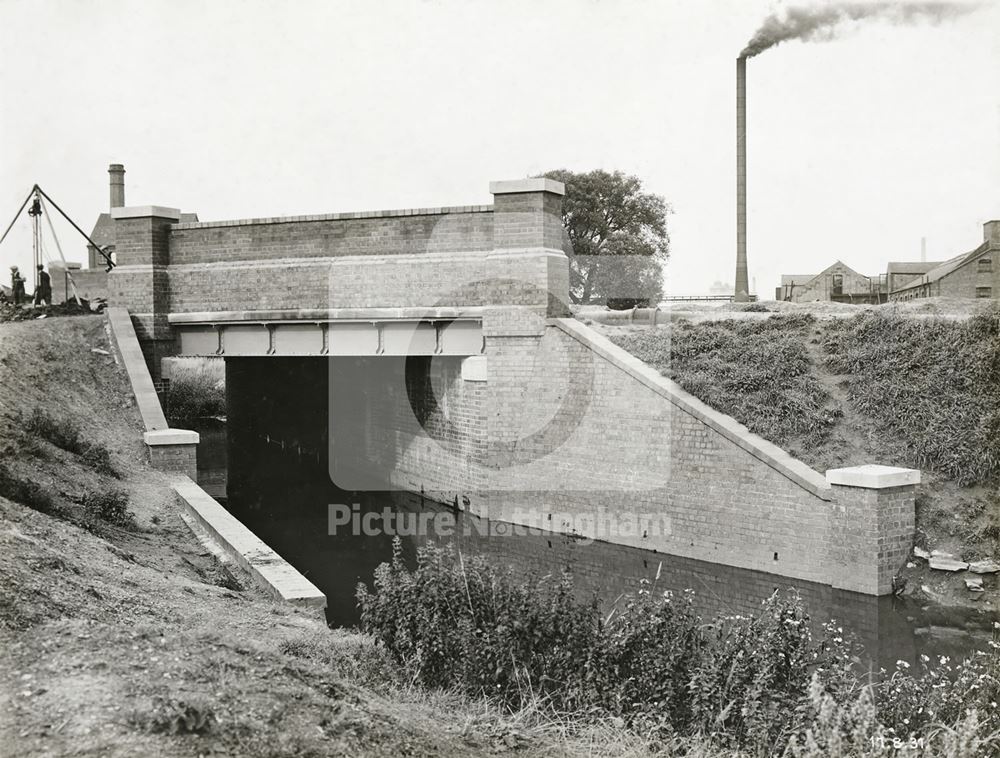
[(117, 172)]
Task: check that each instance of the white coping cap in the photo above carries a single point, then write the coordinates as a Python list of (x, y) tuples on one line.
[(873, 476), (171, 437), (474, 368), (144, 211), (537, 184)]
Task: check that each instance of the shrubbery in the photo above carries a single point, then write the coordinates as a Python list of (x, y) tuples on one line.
[(933, 382), (195, 392), (25, 492), (110, 506), (761, 682), (66, 434)]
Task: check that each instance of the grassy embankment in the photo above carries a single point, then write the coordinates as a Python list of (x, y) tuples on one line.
[(120, 634), (872, 388)]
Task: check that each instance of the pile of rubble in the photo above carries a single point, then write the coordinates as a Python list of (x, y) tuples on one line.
[(942, 561), (11, 312)]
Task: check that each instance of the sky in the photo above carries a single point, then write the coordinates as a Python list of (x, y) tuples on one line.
[(857, 147)]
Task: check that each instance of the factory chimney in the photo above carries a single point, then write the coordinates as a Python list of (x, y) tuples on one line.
[(117, 172), (923, 250), (742, 285)]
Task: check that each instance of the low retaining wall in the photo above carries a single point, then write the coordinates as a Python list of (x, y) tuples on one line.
[(692, 481), (175, 450), (607, 448), (214, 524)]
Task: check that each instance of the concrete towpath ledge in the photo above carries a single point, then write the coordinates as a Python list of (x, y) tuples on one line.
[(226, 534), (174, 451), (127, 343)]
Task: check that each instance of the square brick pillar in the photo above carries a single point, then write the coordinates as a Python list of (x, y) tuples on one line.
[(174, 450), (872, 526), (528, 283), (139, 280)]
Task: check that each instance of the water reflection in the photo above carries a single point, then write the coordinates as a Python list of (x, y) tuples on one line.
[(283, 496)]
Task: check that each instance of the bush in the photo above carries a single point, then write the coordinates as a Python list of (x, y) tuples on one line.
[(110, 506), (63, 433), (98, 457), (759, 683), (170, 715), (462, 623), (195, 392), (26, 492), (932, 382)]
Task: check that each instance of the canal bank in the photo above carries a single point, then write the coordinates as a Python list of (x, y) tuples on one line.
[(284, 494)]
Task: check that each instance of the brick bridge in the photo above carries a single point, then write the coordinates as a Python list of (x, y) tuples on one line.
[(449, 364)]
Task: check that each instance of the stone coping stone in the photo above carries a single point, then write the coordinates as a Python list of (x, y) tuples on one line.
[(330, 314), (171, 437), (767, 452), (123, 334), (535, 184), (873, 476), (334, 217), (268, 569), (146, 211)]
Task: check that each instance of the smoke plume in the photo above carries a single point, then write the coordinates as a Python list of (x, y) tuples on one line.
[(825, 22)]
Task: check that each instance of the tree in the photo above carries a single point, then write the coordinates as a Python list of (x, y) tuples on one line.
[(619, 237)]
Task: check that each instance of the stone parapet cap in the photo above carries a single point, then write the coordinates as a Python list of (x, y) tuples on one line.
[(536, 184), (441, 211), (411, 313), (171, 437), (873, 477), (146, 211)]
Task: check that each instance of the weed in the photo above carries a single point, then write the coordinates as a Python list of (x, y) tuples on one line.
[(175, 716), (754, 683), (110, 506), (98, 457), (26, 492), (63, 433)]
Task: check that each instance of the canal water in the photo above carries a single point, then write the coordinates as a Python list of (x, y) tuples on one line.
[(284, 496)]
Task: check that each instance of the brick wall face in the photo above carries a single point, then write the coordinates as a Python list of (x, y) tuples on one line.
[(965, 280), (615, 450), (179, 458), (388, 235)]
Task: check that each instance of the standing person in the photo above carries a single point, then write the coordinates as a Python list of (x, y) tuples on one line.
[(16, 285), (44, 289)]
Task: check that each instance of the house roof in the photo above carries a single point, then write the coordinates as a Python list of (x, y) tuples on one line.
[(796, 278), (943, 269), (912, 267), (104, 230)]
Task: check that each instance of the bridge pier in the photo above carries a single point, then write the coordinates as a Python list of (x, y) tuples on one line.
[(140, 282)]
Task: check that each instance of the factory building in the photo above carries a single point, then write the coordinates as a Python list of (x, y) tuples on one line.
[(975, 274), (972, 274), (838, 283)]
